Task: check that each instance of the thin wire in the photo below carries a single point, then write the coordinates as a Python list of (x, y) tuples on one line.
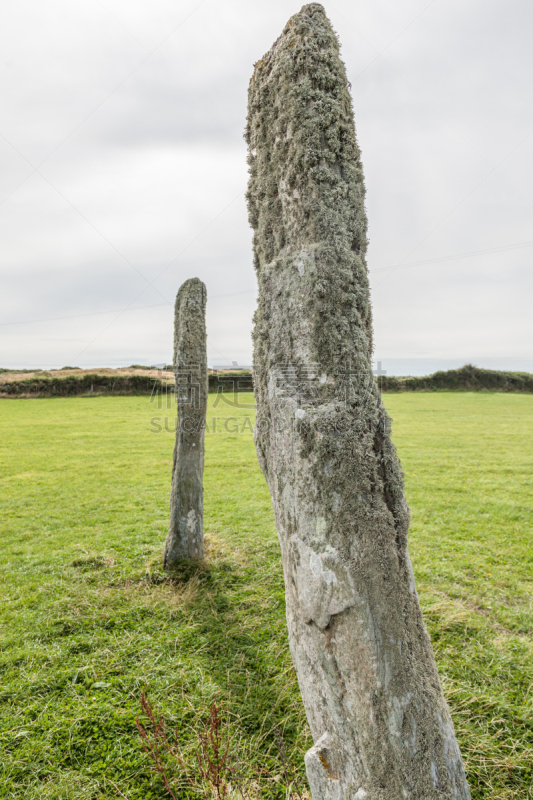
[(84, 120), (198, 236), (390, 270), (456, 206), (160, 273), (115, 310), (80, 316), (469, 254), (378, 54), (92, 112), (36, 169), (455, 256), (414, 89), (454, 129)]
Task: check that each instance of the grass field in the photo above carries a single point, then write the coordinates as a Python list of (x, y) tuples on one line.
[(88, 618)]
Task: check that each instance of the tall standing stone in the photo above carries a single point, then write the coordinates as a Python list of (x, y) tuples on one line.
[(381, 726), (185, 539)]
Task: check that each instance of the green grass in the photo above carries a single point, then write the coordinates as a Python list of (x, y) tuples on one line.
[(88, 616)]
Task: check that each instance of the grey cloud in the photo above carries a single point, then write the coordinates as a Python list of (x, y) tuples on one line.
[(160, 158)]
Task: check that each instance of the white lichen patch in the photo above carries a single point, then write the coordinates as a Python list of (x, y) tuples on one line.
[(192, 521), (323, 583), (321, 526), (304, 260)]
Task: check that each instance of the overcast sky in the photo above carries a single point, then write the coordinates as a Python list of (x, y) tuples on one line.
[(123, 174)]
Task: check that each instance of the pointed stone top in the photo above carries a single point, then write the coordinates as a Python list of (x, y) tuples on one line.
[(310, 23), (312, 8), (314, 11), (306, 190), (191, 285), (192, 290)]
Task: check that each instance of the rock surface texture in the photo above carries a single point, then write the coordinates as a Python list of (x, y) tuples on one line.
[(185, 539), (381, 726)]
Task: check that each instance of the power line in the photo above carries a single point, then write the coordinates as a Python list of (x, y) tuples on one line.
[(469, 254), (456, 256), (79, 316), (114, 311)]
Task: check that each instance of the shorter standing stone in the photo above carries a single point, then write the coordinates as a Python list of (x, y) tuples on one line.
[(185, 539)]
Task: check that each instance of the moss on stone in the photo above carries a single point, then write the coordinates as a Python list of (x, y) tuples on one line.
[(362, 656)]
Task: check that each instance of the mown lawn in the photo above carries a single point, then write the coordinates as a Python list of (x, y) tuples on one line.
[(88, 618)]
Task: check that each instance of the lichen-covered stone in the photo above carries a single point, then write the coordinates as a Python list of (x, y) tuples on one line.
[(185, 539), (381, 726)]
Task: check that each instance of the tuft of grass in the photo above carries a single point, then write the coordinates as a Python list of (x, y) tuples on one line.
[(89, 618)]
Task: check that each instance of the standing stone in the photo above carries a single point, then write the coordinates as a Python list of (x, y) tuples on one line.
[(381, 726), (185, 539)]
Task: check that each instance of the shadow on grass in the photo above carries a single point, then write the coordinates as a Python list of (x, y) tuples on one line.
[(234, 623)]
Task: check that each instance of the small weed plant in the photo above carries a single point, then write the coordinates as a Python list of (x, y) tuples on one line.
[(219, 771)]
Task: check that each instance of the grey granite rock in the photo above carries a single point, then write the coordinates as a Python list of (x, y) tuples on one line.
[(380, 723), (185, 539)]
